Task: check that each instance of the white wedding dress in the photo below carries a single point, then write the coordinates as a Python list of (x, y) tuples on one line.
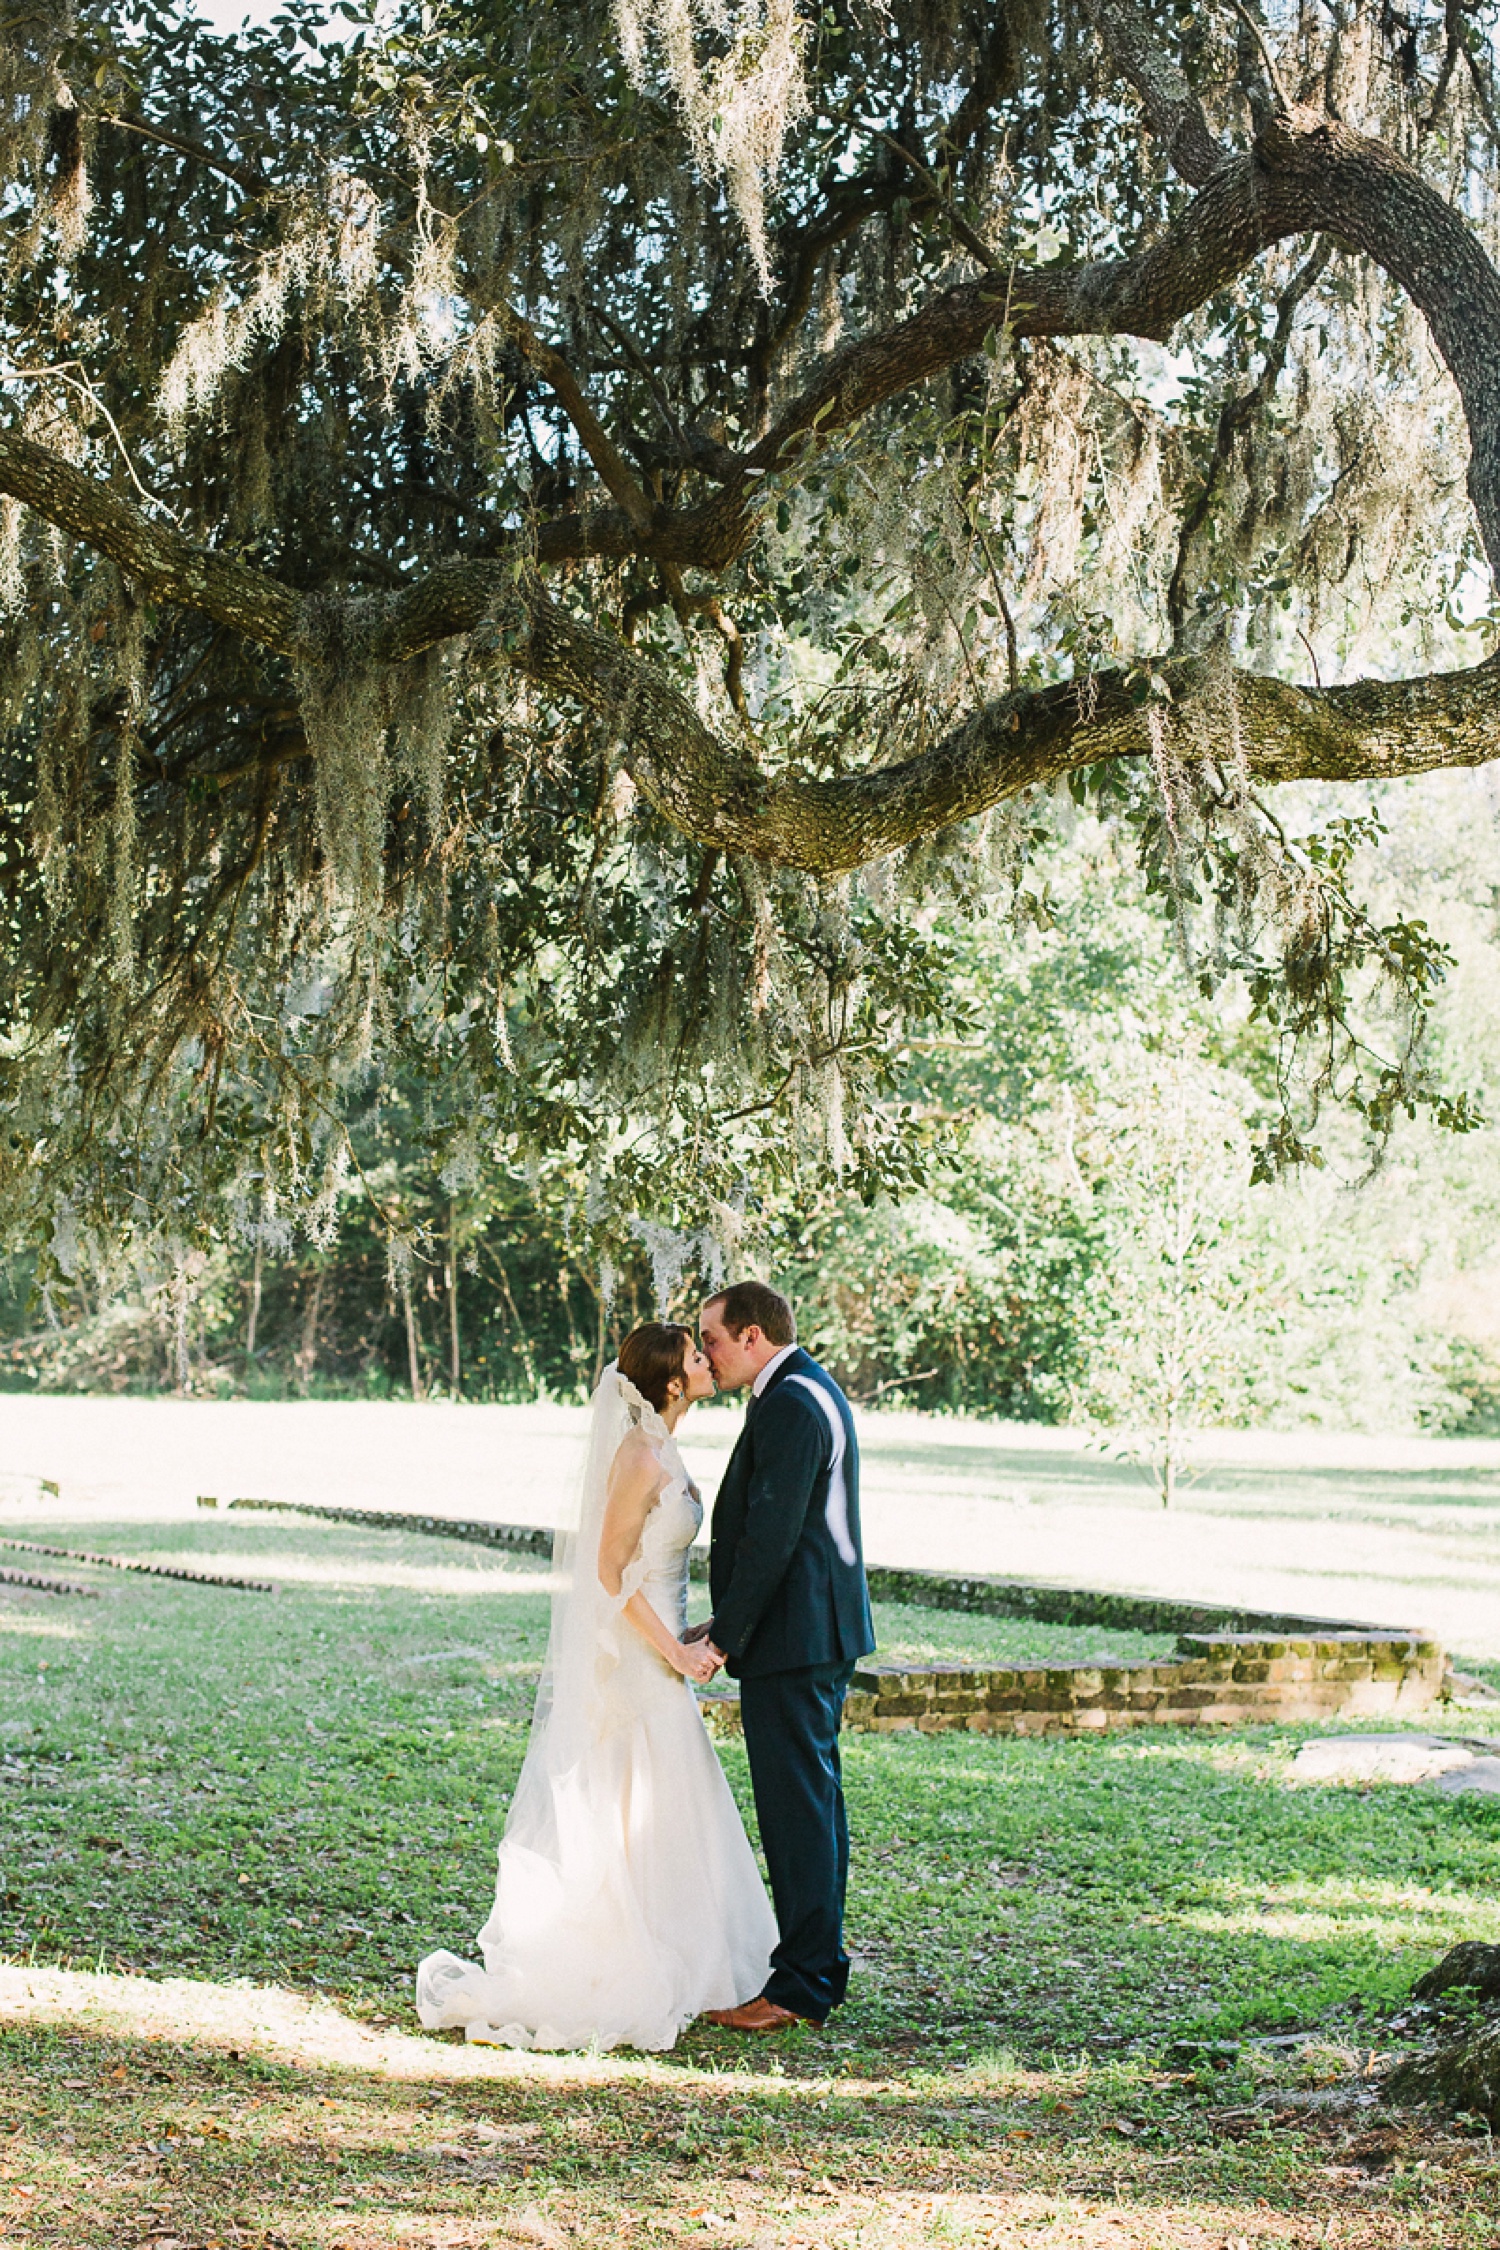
[(628, 1899)]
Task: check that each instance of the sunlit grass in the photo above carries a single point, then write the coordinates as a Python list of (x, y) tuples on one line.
[(1341, 1909), (33, 1625)]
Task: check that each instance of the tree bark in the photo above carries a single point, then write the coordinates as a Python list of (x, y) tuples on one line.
[(255, 1288), (168, 566), (1174, 110), (450, 1278), (312, 1314), (1370, 730), (413, 1351)]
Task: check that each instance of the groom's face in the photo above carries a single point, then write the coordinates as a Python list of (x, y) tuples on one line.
[(733, 1358)]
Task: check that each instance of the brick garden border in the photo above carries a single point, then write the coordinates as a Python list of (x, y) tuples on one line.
[(1215, 1679)]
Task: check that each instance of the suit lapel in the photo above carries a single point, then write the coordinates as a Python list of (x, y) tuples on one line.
[(798, 1359), (795, 1364)]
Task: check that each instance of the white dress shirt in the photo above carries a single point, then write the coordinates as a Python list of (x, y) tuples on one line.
[(770, 1368)]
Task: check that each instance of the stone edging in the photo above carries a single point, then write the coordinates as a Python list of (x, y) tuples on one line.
[(519, 1538), (131, 1563), (34, 1585), (1215, 1679)]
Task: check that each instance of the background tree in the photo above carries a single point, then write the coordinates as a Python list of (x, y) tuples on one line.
[(536, 545), (1177, 1321)]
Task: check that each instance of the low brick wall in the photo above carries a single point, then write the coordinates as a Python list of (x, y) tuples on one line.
[(1215, 1679)]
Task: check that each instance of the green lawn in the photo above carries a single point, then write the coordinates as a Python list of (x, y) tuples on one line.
[(283, 1800)]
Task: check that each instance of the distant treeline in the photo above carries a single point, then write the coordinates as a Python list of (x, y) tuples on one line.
[(1086, 1243)]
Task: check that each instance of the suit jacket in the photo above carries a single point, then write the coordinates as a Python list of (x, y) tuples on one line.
[(786, 1569)]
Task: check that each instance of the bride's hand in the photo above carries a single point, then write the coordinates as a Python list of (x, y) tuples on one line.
[(696, 1661)]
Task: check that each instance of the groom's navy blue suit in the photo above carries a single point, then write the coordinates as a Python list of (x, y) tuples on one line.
[(792, 1615)]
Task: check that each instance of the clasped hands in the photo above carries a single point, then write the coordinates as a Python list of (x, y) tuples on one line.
[(700, 1658)]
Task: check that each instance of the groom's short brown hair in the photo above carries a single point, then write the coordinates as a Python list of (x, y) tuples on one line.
[(755, 1304)]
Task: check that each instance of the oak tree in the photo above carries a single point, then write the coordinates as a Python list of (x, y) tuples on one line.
[(536, 536)]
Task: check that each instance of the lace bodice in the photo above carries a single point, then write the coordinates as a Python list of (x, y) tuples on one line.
[(660, 1570)]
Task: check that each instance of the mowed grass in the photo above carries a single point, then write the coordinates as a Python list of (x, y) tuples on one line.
[(230, 1823)]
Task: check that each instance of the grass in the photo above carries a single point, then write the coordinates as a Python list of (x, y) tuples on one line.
[(230, 1823), (908, 1635)]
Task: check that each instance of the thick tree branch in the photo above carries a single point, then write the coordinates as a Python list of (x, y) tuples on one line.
[(711, 789), (1173, 109), (168, 566), (1373, 730)]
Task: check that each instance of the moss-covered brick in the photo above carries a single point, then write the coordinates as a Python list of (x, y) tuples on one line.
[(1219, 1679)]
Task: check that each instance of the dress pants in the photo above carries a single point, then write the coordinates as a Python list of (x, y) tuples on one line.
[(791, 1722)]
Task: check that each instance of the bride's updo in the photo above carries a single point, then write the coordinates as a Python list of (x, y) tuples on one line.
[(653, 1357)]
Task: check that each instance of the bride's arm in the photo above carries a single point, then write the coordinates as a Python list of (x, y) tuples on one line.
[(634, 1482)]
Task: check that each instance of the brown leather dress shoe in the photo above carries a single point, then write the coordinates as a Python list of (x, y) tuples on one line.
[(753, 2015)]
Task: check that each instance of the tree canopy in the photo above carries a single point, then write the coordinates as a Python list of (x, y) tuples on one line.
[(539, 539)]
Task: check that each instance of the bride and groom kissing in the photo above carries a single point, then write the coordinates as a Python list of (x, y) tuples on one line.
[(628, 1901)]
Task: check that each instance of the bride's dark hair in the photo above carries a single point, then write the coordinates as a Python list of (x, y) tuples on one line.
[(653, 1356)]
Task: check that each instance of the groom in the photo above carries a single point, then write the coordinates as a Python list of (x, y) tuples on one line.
[(791, 1615)]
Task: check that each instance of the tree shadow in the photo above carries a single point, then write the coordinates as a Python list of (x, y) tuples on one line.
[(279, 2133)]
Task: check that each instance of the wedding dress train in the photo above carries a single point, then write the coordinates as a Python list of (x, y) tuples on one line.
[(628, 1899)]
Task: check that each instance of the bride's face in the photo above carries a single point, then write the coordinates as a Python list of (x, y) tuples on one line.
[(697, 1375)]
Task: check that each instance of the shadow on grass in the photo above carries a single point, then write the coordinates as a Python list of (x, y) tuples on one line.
[(188, 2113)]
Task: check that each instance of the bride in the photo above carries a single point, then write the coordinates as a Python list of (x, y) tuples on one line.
[(628, 1900)]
